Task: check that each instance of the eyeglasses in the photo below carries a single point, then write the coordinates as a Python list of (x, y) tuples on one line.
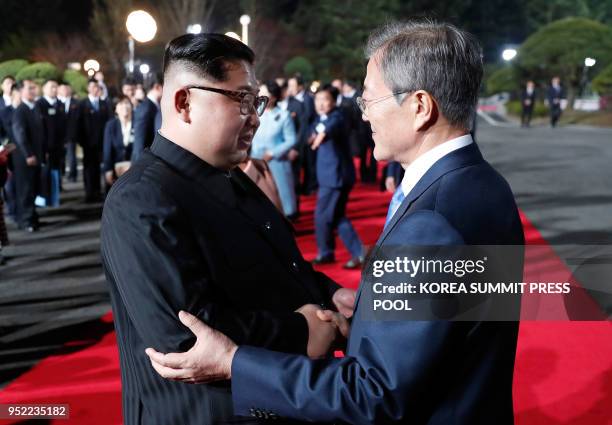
[(248, 101), (363, 104)]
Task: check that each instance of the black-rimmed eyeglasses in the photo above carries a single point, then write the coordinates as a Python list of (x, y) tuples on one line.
[(249, 102)]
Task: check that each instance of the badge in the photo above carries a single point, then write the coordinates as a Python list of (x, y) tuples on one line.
[(320, 128), (52, 111)]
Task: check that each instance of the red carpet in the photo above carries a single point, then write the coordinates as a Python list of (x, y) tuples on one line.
[(563, 373)]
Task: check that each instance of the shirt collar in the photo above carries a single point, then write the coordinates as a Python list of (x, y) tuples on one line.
[(30, 105), (215, 180), (300, 96), (50, 100), (93, 99), (7, 99), (152, 99), (423, 163)]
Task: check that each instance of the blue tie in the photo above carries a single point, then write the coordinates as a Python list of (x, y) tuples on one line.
[(395, 203)]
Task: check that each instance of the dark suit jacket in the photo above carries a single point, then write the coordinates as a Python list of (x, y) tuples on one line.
[(335, 166), (409, 372), (72, 121), (555, 94), (114, 148), (6, 119), (307, 116), (92, 123), (28, 132), (177, 234), (54, 124), (145, 119)]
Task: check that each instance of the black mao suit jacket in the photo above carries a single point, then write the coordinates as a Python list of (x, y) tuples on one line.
[(177, 234)]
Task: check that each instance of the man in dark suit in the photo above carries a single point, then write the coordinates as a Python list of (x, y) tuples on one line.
[(6, 85), (6, 132), (28, 134), (554, 95), (359, 134), (147, 118), (184, 228), (400, 371), (71, 115), (307, 157), (528, 98), (93, 115), (54, 124)]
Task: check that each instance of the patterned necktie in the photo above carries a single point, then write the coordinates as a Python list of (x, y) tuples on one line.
[(395, 203)]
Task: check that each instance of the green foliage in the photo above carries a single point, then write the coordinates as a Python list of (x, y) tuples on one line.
[(514, 107), (38, 72), (335, 33), (11, 67), (560, 48), (502, 80), (602, 83), (299, 65), (77, 81)]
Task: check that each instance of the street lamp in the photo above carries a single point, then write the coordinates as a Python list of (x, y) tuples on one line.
[(142, 28), (245, 20), (509, 54), (91, 66), (194, 28), (233, 35), (588, 63), (144, 69)]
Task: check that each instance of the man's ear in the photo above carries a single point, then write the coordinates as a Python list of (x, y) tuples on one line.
[(425, 110), (182, 105)]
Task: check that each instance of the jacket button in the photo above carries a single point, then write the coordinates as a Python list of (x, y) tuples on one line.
[(295, 266), (268, 225)]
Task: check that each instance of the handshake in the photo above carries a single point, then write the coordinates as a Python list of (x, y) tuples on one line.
[(327, 328)]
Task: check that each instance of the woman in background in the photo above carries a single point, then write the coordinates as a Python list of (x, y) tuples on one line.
[(272, 142)]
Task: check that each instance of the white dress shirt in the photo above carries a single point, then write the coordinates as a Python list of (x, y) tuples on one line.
[(423, 163), (7, 100)]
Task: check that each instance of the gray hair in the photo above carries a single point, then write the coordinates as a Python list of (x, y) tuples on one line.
[(435, 57)]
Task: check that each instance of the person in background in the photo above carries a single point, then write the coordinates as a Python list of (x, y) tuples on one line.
[(6, 85), (139, 94), (28, 132), (528, 98), (6, 133), (307, 157), (71, 115), (118, 140), (4, 241), (93, 115), (128, 88), (54, 125), (555, 94), (335, 176), (147, 118), (99, 77), (273, 140)]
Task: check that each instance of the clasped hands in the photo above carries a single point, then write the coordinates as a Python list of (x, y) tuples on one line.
[(210, 358)]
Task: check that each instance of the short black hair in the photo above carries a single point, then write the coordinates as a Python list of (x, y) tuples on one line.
[(21, 84), (55, 80), (92, 80), (299, 80), (206, 54), (152, 81), (8, 76), (274, 89), (334, 92), (14, 87), (128, 81), (122, 98)]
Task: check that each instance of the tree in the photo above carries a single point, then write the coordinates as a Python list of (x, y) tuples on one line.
[(11, 67), (38, 72), (299, 65), (602, 83), (62, 50), (77, 81), (560, 49), (503, 80)]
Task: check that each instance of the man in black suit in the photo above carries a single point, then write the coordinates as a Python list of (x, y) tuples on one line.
[(7, 83), (185, 228), (54, 124), (555, 94), (93, 115), (528, 98), (147, 118), (6, 132), (28, 133), (308, 157), (71, 115)]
